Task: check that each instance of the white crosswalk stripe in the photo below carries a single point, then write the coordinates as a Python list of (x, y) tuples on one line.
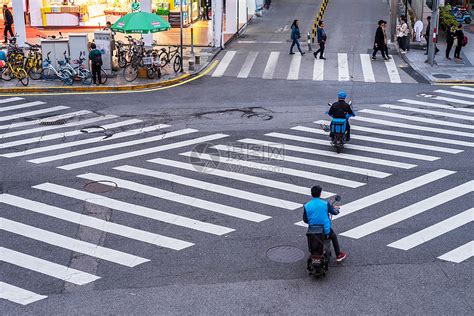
[(18, 295), (20, 106), (459, 254), (463, 88), (248, 64), (135, 209), (409, 211), (48, 119), (93, 222), (456, 94), (3, 101), (72, 244), (318, 70), (271, 65), (46, 267), (31, 113), (392, 71), (437, 105), (408, 109), (450, 100), (294, 68), (225, 62), (434, 231), (343, 69), (241, 194), (367, 68)]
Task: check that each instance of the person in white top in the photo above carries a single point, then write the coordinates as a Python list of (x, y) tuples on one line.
[(402, 34), (418, 29)]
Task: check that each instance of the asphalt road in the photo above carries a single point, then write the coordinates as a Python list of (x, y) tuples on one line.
[(218, 221)]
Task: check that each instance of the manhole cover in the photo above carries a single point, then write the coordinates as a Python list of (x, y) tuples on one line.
[(441, 76), (285, 254), (100, 186)]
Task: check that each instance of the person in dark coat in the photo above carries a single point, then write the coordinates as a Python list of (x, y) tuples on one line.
[(322, 37), (295, 36), (459, 36), (427, 36), (380, 41), (449, 40), (8, 21)]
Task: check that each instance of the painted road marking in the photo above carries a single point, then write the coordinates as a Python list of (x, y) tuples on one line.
[(289, 187), (271, 65), (355, 147), (409, 109), (142, 152), (71, 243), (367, 68), (47, 119), (20, 106), (180, 198), (463, 88), (95, 223), (248, 64), (309, 162), (436, 105), (392, 71), (203, 185), (391, 192), (434, 231), (31, 113), (134, 209), (409, 211), (457, 94), (459, 254), (451, 100), (2, 101), (18, 295), (318, 70), (343, 67), (225, 62), (46, 267), (294, 70), (40, 139)]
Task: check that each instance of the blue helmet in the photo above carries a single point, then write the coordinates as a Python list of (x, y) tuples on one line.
[(342, 94)]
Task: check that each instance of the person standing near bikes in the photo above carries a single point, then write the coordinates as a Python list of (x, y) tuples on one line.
[(8, 21), (95, 59)]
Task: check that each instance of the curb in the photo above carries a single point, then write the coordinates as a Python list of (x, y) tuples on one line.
[(59, 89)]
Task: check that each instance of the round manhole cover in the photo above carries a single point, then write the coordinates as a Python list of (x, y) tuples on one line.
[(285, 254), (100, 186), (441, 76)]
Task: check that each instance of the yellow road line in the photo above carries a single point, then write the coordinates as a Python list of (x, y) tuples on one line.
[(205, 72)]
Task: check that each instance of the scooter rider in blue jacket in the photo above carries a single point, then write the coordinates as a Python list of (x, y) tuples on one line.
[(316, 212), (342, 110)]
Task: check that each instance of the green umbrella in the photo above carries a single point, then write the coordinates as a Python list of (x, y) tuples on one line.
[(140, 22)]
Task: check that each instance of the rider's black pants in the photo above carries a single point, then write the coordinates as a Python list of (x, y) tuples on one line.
[(335, 243), (348, 129)]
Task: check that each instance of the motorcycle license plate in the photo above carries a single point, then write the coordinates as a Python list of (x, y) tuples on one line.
[(315, 260)]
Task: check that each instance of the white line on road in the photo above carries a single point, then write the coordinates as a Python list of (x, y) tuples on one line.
[(437, 105), (271, 65), (318, 70), (417, 119), (434, 231), (2, 101), (225, 62), (46, 267), (377, 150), (31, 113), (248, 64), (278, 155), (391, 192), (18, 295), (459, 254), (462, 88), (71, 243), (451, 100), (96, 223), (407, 135), (134, 209), (457, 94), (47, 119), (343, 67), (294, 70), (409, 126), (40, 139), (367, 68), (216, 188), (20, 106), (409, 211), (142, 152), (180, 198), (424, 111), (392, 71), (208, 170)]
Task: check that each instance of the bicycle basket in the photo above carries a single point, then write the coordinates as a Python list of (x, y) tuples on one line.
[(61, 62)]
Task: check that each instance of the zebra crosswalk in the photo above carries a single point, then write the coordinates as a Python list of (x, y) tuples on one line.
[(228, 185), (338, 67)]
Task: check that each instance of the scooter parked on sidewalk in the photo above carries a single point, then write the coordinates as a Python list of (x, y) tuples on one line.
[(319, 247)]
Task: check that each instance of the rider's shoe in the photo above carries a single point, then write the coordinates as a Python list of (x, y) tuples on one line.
[(348, 139), (341, 256)]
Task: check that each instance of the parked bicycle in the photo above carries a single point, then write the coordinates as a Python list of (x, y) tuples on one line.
[(171, 55), (51, 73), (12, 70), (33, 62), (78, 72)]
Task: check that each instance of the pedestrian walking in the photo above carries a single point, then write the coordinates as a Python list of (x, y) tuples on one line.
[(384, 28), (8, 22), (321, 35), (380, 42), (402, 34), (449, 40), (95, 58), (427, 36), (295, 36), (458, 42)]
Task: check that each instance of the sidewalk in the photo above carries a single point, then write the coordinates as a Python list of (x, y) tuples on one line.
[(445, 71)]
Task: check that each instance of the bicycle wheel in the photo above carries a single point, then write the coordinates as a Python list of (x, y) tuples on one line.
[(86, 77), (48, 74), (35, 72), (22, 76), (130, 73), (103, 76), (151, 73), (7, 74), (163, 59), (122, 61), (177, 63), (66, 77)]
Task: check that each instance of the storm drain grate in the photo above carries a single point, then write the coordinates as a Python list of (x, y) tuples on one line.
[(102, 186), (56, 122), (285, 254)]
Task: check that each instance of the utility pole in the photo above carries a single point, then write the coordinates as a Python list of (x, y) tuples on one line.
[(433, 33), (181, 33), (393, 19)]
